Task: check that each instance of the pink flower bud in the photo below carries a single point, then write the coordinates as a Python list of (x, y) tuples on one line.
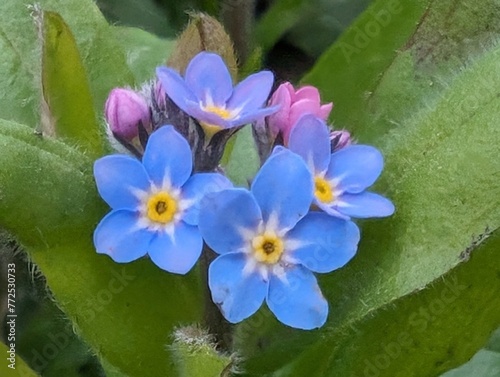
[(339, 139), (124, 110), (294, 104)]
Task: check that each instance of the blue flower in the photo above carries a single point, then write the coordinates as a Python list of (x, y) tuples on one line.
[(341, 178), (269, 246), (155, 204), (206, 93)]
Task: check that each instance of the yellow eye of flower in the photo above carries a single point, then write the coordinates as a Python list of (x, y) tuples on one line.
[(161, 207), (267, 248), (223, 113), (212, 129), (322, 190)]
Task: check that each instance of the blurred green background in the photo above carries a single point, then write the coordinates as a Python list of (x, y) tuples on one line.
[(292, 34)]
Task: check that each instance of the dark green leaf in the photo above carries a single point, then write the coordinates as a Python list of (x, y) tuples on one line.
[(484, 364), (43, 335), (21, 368), (125, 311), (349, 72), (322, 22), (20, 68), (147, 14), (281, 16)]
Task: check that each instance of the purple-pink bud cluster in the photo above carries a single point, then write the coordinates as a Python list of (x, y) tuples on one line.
[(293, 104), (125, 110)]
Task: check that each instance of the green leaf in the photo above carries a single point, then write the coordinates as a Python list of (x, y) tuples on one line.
[(397, 57), (349, 72), (494, 343), (20, 69), (144, 51), (484, 364), (422, 334), (21, 368), (49, 202), (147, 14), (441, 171), (111, 370), (43, 336), (321, 24), (241, 160), (69, 110), (282, 15), (309, 25), (427, 332)]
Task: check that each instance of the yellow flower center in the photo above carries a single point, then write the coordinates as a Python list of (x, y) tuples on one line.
[(211, 129), (161, 207), (267, 248), (223, 113), (322, 190)]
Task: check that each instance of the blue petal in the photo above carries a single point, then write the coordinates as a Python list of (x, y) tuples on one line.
[(168, 157), (356, 166), (177, 253), (253, 116), (325, 242), (175, 87), (364, 205), (331, 209), (310, 138), (119, 236), (250, 94), (283, 188), (224, 216), (297, 301), (196, 188), (117, 177), (236, 293), (209, 79)]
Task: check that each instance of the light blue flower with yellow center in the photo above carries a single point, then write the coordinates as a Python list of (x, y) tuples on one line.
[(206, 93), (270, 246), (155, 204), (340, 178)]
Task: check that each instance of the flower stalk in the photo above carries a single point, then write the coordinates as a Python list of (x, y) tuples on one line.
[(221, 329)]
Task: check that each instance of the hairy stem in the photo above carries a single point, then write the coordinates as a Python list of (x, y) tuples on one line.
[(213, 319)]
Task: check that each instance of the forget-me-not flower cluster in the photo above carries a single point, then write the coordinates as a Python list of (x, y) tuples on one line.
[(271, 239)]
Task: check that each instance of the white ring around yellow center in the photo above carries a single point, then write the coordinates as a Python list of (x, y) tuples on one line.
[(323, 190), (161, 207), (267, 248)]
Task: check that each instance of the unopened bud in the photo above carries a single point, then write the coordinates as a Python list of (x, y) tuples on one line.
[(293, 104), (125, 110), (203, 33), (339, 139)]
